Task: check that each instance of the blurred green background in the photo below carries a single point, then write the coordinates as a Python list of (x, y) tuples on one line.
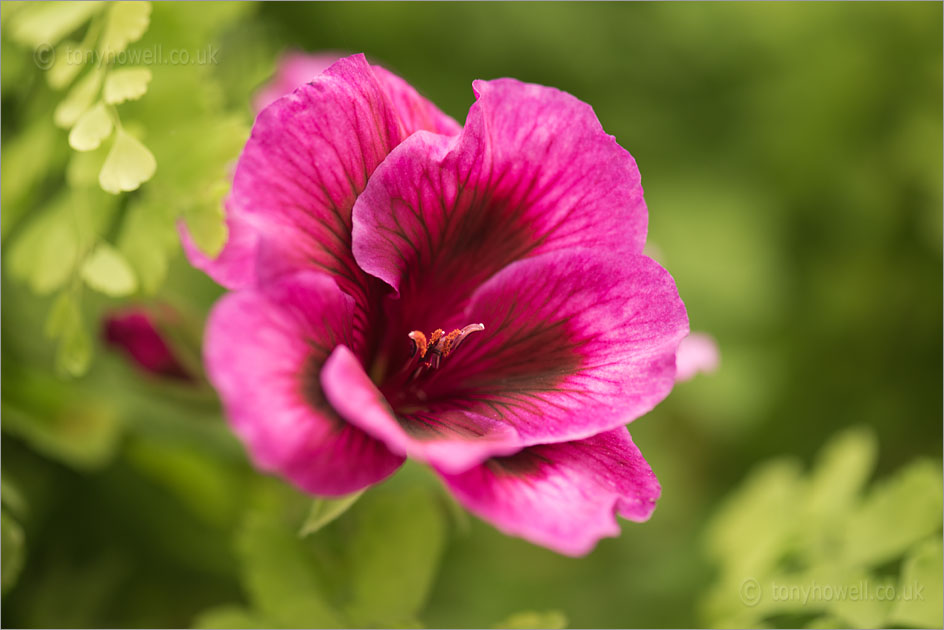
[(792, 160)]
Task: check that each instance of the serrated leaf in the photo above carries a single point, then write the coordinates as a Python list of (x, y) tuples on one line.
[(126, 84), (46, 252), (69, 61), (551, 619), (323, 511), (128, 165), (14, 550), (394, 554), (91, 129), (869, 607), (48, 22), (78, 100), (125, 23), (898, 512), (843, 467), (279, 575), (107, 271), (921, 589)]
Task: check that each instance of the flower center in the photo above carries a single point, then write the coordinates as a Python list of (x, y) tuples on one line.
[(407, 388)]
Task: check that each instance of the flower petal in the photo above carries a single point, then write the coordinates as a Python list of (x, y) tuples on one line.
[(453, 441), (562, 496), (697, 353), (264, 351), (575, 343), (532, 172), (309, 156)]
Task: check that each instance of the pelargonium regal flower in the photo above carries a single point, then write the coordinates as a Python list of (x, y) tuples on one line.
[(476, 299)]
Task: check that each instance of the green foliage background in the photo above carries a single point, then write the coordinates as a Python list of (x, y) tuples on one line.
[(792, 160)]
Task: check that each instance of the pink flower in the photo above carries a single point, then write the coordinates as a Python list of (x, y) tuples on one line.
[(697, 353), (133, 331), (474, 298)]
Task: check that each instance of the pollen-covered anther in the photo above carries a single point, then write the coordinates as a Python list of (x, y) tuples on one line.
[(440, 344)]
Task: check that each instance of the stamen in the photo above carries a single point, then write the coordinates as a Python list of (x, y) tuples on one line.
[(419, 344), (440, 345)]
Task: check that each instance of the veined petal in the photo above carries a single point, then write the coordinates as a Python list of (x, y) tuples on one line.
[(264, 350), (575, 342), (308, 158), (453, 441), (562, 496), (532, 172)]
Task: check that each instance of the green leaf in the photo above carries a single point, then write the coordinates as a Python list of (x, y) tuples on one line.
[(394, 554), (231, 616), (323, 511), (75, 351), (78, 100), (206, 220), (279, 574), (29, 157), (69, 61), (14, 550), (128, 165), (45, 23), (551, 619), (126, 84), (866, 607), (63, 316), (749, 532), (897, 513), (107, 271), (920, 588), (62, 421), (65, 323), (12, 497), (842, 469), (91, 129), (47, 251), (126, 23), (147, 240)]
